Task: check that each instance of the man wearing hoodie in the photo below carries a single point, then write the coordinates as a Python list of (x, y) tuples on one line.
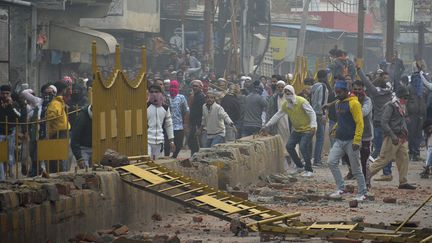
[(348, 134), (381, 93), (303, 120), (319, 97), (395, 131), (158, 117)]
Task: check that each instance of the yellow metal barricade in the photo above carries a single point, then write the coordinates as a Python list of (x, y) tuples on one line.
[(119, 110)]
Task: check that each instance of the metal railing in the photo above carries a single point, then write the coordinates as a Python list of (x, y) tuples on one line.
[(24, 149)]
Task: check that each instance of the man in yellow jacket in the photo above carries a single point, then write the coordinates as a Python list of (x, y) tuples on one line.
[(303, 121), (57, 120), (348, 134)]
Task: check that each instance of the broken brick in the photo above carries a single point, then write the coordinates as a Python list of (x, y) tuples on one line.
[(156, 217), (197, 219), (86, 237), (349, 188), (240, 194), (353, 203), (173, 239), (91, 182), (63, 189), (105, 231), (389, 200), (121, 231)]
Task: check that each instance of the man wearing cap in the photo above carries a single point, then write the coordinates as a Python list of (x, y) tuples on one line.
[(303, 120), (274, 105), (196, 110), (57, 121), (348, 133), (395, 146), (9, 111)]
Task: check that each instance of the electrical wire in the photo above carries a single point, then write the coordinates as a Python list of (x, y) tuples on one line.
[(338, 9)]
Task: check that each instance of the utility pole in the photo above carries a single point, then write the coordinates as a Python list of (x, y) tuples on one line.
[(222, 22), (390, 29), (208, 32), (302, 32), (360, 30), (245, 61), (421, 39)]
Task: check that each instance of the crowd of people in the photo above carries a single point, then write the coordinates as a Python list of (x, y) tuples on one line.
[(373, 119)]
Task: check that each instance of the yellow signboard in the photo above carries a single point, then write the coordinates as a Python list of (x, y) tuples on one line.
[(278, 46)]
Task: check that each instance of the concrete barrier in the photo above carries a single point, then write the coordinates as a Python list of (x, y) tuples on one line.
[(41, 210), (244, 161)]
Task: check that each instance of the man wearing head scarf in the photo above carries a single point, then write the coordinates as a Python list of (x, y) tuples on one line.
[(196, 109), (303, 121), (348, 134), (395, 132), (158, 119), (274, 104), (180, 115)]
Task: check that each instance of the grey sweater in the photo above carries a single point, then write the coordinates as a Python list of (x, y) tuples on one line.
[(255, 105), (319, 97)]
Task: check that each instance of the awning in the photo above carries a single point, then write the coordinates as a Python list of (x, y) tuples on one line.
[(79, 39)]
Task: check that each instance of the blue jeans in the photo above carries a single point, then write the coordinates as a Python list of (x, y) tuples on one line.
[(305, 142), (248, 131), (319, 141), (338, 150), (11, 155), (214, 140), (377, 142)]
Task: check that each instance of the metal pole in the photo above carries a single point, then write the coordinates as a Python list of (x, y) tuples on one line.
[(182, 26), (302, 32), (360, 29), (208, 32), (421, 39), (390, 29)]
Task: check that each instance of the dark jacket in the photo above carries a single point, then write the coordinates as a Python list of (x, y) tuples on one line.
[(231, 105), (380, 97), (416, 105), (196, 110), (393, 122), (10, 113), (81, 133)]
